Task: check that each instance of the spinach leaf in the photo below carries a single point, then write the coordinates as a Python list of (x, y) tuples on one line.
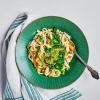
[(62, 71), (56, 37), (38, 49), (54, 29), (41, 38), (47, 50), (58, 46), (60, 61)]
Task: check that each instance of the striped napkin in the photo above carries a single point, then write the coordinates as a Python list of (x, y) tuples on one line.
[(17, 87)]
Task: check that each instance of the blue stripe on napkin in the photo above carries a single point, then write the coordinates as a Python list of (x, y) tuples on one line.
[(72, 94), (31, 90), (8, 94)]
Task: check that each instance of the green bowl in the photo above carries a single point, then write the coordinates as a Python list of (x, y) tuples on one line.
[(26, 67)]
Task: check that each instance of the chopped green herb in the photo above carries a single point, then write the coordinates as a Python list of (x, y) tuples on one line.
[(38, 49), (41, 38), (47, 50), (54, 29)]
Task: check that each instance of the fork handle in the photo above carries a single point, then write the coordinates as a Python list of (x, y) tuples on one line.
[(93, 72)]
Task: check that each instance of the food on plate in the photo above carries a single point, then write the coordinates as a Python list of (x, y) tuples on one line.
[(51, 51)]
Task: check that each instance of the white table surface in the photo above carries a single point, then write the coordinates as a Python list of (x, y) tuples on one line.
[(85, 13)]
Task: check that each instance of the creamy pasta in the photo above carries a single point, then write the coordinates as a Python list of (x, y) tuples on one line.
[(51, 51)]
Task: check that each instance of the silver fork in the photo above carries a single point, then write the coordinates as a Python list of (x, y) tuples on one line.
[(93, 72)]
